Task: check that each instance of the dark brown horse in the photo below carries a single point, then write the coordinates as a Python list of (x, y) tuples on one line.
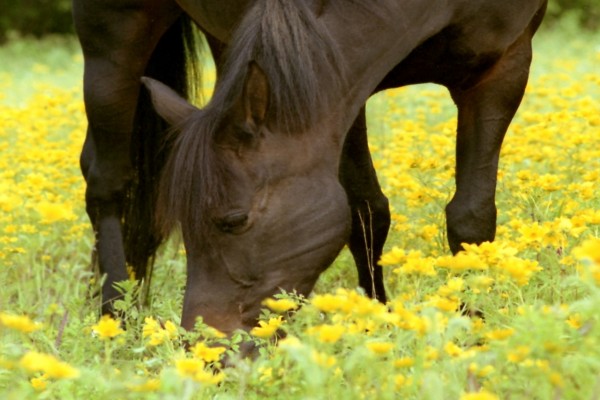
[(273, 176)]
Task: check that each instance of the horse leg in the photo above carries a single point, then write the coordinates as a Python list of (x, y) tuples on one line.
[(485, 110), (117, 44), (370, 208)]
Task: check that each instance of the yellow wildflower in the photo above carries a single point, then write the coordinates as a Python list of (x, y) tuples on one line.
[(188, 367), (418, 266), (107, 328), (500, 334), (327, 333), (20, 323), (267, 329), (393, 257), (518, 354), (556, 379), (207, 353), (401, 380), (290, 342), (40, 383), (193, 368), (444, 304), (326, 302), (481, 395), (151, 385), (54, 212), (461, 262), (589, 250), (322, 359), (48, 364), (280, 305), (574, 321), (380, 347), (150, 326), (452, 349), (404, 362)]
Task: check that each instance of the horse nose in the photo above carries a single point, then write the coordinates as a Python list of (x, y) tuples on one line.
[(234, 222)]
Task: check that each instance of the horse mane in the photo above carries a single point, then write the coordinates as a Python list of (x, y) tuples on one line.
[(297, 54), (305, 73)]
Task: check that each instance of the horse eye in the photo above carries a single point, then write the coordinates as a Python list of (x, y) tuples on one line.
[(232, 223)]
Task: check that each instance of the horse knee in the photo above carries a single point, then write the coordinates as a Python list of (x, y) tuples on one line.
[(469, 224), (105, 188)]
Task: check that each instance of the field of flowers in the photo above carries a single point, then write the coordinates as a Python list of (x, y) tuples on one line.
[(517, 318)]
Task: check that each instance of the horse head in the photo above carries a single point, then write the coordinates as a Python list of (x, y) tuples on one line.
[(260, 210)]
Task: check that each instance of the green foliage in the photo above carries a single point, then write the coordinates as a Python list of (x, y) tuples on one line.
[(585, 12), (34, 17)]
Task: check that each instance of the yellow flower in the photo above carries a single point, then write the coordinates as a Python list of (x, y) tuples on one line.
[(453, 286), (574, 321), (157, 333), (444, 304), (461, 262), (589, 250), (393, 257), (188, 367), (556, 379), (20, 323), (481, 372), (206, 353), (500, 334), (402, 380), (380, 347), (172, 329), (328, 333), (48, 364), (326, 302), (39, 383), (518, 354), (151, 385), (404, 362), (290, 342), (280, 305), (417, 266), (267, 329), (481, 395), (452, 349), (194, 369), (150, 326), (54, 212), (107, 328), (322, 359)]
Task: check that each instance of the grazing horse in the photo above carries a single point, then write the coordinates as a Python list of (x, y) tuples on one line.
[(273, 176)]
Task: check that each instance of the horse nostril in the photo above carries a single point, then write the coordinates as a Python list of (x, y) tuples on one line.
[(232, 222)]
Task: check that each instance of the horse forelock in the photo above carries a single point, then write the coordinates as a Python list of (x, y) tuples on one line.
[(192, 180)]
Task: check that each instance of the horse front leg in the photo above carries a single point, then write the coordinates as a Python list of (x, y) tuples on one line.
[(370, 208), (485, 111), (117, 44)]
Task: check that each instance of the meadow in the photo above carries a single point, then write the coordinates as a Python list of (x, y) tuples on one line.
[(513, 319)]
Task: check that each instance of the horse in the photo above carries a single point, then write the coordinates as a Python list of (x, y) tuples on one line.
[(273, 177)]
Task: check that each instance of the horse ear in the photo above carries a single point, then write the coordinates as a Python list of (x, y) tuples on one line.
[(256, 96), (167, 103)]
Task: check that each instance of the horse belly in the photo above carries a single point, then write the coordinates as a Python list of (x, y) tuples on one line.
[(454, 56)]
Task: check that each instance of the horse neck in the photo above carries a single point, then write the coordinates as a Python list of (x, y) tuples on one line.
[(378, 41)]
